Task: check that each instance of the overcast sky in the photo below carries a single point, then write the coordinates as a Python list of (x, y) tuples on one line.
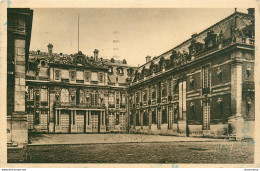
[(129, 34)]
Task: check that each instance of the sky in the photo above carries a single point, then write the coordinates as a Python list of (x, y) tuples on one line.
[(122, 33)]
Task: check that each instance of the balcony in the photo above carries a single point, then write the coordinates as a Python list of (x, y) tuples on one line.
[(82, 105)]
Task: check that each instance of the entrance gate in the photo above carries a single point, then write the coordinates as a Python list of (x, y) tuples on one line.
[(65, 121), (95, 121)]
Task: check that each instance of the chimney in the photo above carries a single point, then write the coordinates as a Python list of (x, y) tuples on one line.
[(96, 55), (251, 11), (50, 46), (148, 58)]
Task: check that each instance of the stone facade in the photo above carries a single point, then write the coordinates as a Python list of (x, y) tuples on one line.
[(18, 35), (203, 87), (76, 93)]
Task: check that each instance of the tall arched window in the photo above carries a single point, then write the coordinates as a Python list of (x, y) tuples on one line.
[(94, 98), (65, 95)]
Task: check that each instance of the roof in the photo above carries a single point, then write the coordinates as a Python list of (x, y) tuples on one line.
[(237, 18)]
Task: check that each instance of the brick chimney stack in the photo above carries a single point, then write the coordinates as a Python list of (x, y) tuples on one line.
[(96, 55), (148, 58), (50, 47), (251, 11)]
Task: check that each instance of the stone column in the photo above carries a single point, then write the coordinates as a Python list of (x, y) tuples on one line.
[(104, 123), (141, 114), (51, 113), (19, 117), (56, 117), (182, 108), (150, 118), (86, 117), (59, 116), (236, 121), (180, 101), (101, 119)]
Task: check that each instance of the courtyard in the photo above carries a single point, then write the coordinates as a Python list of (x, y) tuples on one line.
[(131, 148)]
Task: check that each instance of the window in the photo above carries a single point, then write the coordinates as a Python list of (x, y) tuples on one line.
[(43, 95), (80, 75), (120, 71), (43, 119), (65, 95), (164, 116), (37, 117), (110, 69), (153, 117), (122, 98), (145, 95), (206, 77), (176, 113), (117, 118), (111, 98), (210, 43), (153, 93), (65, 74), (111, 122), (19, 24), (87, 76), (206, 115), (145, 119), (149, 93), (30, 94), (170, 87), (94, 98), (57, 74), (137, 97), (117, 99), (43, 63), (72, 75), (137, 119), (94, 76), (101, 77), (79, 97), (164, 90)]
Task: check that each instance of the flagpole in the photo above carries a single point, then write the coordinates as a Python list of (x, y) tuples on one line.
[(78, 32)]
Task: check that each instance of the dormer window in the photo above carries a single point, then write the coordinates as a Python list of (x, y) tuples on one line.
[(57, 74), (110, 70), (43, 63), (120, 71), (210, 43), (210, 40), (130, 71)]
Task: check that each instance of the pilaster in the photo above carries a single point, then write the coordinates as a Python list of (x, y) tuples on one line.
[(236, 121)]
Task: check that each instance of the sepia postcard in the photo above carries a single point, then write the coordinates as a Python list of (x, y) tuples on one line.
[(133, 84)]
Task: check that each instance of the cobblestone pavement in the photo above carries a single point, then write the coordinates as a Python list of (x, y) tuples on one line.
[(43, 139), (160, 152)]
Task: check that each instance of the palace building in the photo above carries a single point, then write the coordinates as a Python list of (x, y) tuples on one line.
[(202, 87), (76, 93)]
